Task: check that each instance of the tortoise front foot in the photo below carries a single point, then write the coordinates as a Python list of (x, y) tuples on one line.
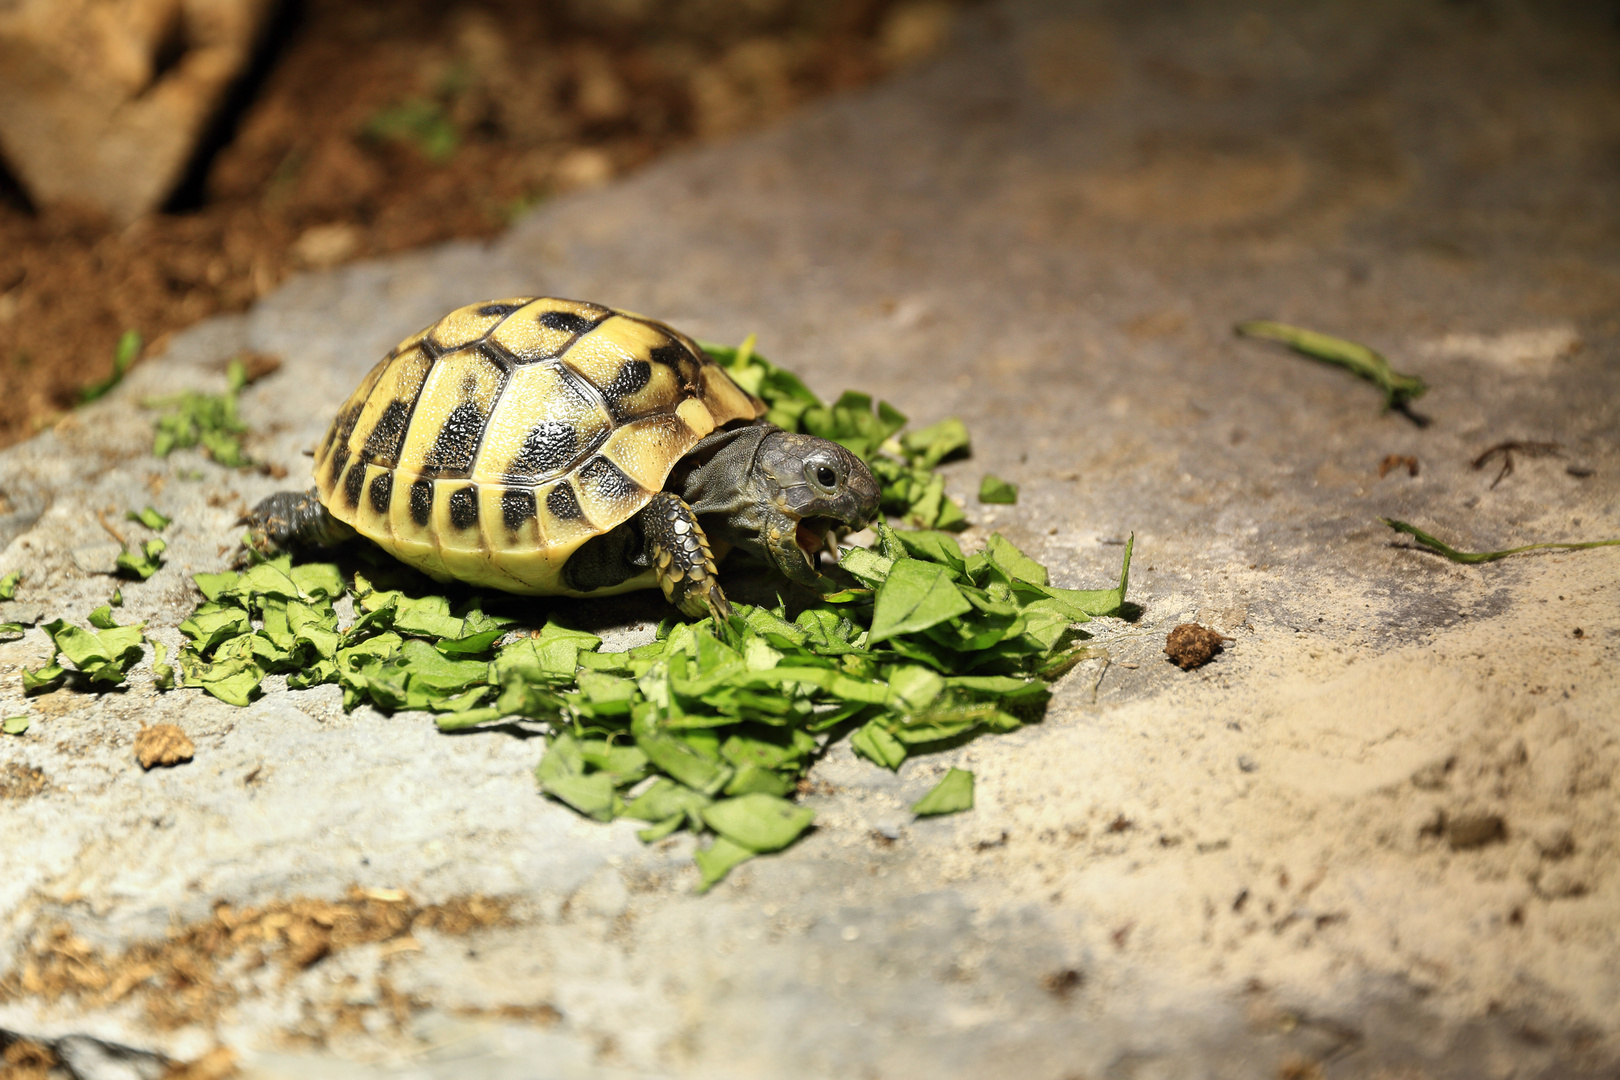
[(681, 557), (290, 520)]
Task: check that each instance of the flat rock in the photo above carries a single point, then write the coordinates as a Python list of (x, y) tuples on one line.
[(102, 105), (1049, 232)]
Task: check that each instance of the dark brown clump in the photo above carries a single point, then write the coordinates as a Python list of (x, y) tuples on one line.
[(1190, 645), (1392, 462)]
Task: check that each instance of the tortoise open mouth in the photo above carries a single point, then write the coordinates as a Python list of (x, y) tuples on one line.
[(816, 534)]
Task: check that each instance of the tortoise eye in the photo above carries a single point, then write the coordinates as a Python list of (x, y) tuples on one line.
[(825, 476)]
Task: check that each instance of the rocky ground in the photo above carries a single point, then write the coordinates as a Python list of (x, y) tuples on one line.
[(1373, 838)]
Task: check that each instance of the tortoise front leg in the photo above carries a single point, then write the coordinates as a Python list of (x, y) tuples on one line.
[(293, 519), (679, 553)]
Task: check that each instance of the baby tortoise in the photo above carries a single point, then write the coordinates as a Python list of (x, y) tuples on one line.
[(558, 448)]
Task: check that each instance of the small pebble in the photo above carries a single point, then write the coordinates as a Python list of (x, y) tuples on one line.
[(162, 744), (1247, 763), (1190, 645), (1473, 829)]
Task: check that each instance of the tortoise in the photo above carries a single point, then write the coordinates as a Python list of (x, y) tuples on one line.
[(550, 447)]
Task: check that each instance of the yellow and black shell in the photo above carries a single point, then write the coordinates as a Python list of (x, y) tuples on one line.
[(490, 446)]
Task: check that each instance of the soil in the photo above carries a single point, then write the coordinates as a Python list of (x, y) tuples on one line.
[(374, 126), (196, 971)]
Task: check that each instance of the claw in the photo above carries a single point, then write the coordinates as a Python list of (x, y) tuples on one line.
[(719, 606)]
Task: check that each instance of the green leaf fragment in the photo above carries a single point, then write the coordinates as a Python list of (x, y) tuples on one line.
[(47, 677), (1485, 556), (11, 631), (104, 655), (213, 586), (562, 775), (874, 743), (150, 518), (719, 859), (317, 580), (927, 447), (234, 680), (162, 672), (196, 419), (993, 489), (124, 354), (914, 596), (8, 585), (1351, 355), (758, 822), (660, 830), (145, 563), (14, 725), (665, 799), (953, 794), (213, 623)]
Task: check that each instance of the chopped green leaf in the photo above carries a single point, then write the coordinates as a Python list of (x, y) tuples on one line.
[(14, 725), (197, 419), (719, 859), (993, 489), (1485, 556), (8, 585), (11, 631), (144, 564), (1351, 355), (128, 348), (104, 654), (213, 586), (758, 822), (951, 795), (915, 596), (162, 673), (47, 677), (150, 518), (874, 743)]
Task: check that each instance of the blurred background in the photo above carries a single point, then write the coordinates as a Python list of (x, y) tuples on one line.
[(163, 160)]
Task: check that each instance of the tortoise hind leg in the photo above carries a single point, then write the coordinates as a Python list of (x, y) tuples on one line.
[(293, 519), (679, 553)]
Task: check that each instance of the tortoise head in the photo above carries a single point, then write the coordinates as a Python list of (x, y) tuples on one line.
[(781, 496)]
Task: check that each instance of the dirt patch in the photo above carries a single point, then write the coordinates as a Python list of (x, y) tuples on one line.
[(380, 127), (25, 1059), (202, 968), (20, 781)]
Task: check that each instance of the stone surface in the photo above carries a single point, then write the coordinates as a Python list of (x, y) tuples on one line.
[(102, 104), (1238, 871)]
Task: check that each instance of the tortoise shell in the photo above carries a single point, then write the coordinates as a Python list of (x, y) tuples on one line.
[(490, 446)]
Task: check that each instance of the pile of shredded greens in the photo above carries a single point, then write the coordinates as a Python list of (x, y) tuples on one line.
[(709, 727)]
